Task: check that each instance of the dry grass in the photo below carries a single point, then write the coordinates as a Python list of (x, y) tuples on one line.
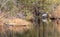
[(56, 14), (15, 24)]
